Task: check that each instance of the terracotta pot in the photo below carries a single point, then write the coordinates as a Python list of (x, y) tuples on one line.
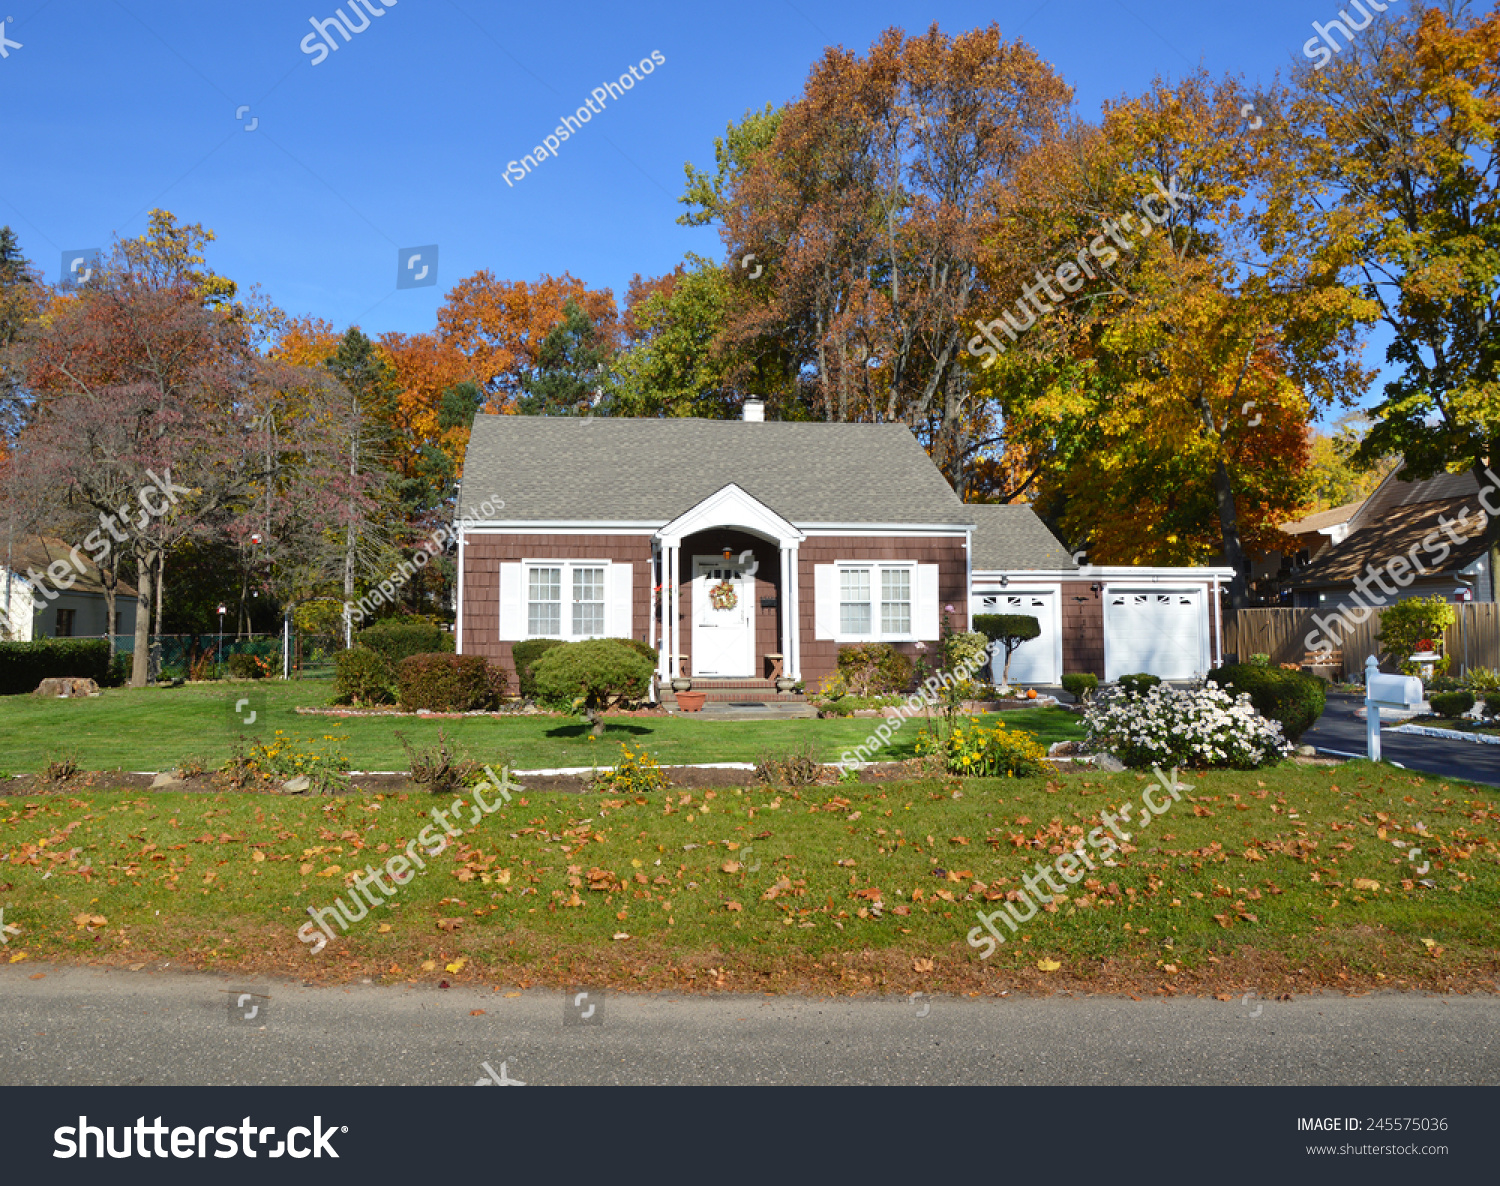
[(691, 701)]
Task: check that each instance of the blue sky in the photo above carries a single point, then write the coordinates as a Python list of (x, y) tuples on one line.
[(401, 138)]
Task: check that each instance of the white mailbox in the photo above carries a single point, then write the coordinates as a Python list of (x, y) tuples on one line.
[(1401, 692)]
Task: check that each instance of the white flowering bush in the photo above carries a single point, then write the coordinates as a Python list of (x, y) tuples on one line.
[(1197, 727)]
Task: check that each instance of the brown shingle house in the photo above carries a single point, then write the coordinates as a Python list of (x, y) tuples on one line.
[(733, 545)]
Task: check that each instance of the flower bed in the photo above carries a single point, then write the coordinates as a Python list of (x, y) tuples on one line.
[(1197, 727)]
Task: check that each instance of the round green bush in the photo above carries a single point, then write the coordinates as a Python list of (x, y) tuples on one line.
[(1142, 682), (1452, 704), (523, 656), (1294, 698), (591, 675), (449, 683), (1080, 685), (362, 677), (401, 639)]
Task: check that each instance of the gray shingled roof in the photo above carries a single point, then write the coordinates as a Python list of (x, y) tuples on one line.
[(1010, 537), (564, 467)]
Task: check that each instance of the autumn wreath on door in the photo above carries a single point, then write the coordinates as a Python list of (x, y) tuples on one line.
[(723, 596)]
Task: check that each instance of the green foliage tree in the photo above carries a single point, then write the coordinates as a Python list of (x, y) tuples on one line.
[(588, 677), (572, 369), (1405, 626), (1008, 631)]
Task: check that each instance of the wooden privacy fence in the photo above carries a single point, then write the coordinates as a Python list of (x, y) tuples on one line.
[(1283, 634)]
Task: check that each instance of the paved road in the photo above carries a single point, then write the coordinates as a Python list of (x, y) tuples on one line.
[(86, 1026), (1338, 730)]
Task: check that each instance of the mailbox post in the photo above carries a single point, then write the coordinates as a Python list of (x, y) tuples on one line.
[(1400, 692)]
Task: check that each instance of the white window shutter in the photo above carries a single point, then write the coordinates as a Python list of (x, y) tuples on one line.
[(825, 600), (619, 607), (512, 602), (925, 619)]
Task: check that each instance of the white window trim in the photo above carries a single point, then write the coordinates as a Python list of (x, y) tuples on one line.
[(567, 566), (875, 568)]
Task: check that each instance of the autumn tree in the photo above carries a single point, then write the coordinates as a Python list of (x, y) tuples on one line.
[(499, 327), (1187, 330), (1392, 151), (865, 214)]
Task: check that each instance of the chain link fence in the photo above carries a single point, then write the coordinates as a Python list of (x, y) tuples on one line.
[(206, 656)]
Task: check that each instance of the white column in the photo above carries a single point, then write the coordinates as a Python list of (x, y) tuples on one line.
[(674, 627), (796, 631), (784, 600)]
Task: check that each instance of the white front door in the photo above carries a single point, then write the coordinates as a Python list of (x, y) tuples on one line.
[(723, 622)]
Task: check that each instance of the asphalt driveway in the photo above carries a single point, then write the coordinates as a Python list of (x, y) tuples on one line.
[(1339, 732)]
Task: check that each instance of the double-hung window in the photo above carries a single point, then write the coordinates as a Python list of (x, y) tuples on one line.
[(875, 601), (565, 600)]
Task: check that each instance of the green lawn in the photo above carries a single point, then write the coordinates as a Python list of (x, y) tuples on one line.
[(1268, 879), (154, 729)]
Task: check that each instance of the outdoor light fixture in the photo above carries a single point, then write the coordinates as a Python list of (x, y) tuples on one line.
[(1004, 581), (1095, 588), (728, 555)]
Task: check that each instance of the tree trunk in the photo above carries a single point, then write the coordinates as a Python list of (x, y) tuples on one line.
[(1229, 520), (159, 582), (145, 564)]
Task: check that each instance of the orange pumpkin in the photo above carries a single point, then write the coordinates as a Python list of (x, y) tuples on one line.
[(1031, 695)]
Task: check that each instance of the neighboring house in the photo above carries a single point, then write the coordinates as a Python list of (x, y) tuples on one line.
[(76, 612), (1106, 619), (1271, 574), (814, 536), (1398, 520)]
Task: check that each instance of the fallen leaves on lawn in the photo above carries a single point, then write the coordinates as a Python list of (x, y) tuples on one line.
[(1366, 883), (449, 924), (1048, 965), (457, 965), (921, 964), (730, 867), (429, 965), (733, 906)]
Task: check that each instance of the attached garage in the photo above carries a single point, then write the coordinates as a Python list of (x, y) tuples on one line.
[(1038, 661), (1105, 619), (1159, 630)]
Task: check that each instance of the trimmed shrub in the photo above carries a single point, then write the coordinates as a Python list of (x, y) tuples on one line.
[(1140, 683), (642, 649), (362, 677), (1452, 705), (395, 641), (449, 683), (523, 655), (1169, 726), (23, 665), (870, 668), (1080, 685), (1008, 631), (588, 677), (969, 649), (1492, 706), (1294, 698)]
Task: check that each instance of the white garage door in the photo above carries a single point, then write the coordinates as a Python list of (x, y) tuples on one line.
[(1035, 661), (1155, 631)]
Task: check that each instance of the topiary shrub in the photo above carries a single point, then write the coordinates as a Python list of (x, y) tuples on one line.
[(395, 641), (1452, 705), (589, 677), (1080, 685), (641, 649), (362, 677), (1008, 631), (449, 683), (1294, 698), (1142, 682), (870, 668), (1492, 706), (966, 649), (523, 655), (23, 665)]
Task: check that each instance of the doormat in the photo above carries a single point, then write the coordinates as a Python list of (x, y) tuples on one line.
[(747, 704)]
